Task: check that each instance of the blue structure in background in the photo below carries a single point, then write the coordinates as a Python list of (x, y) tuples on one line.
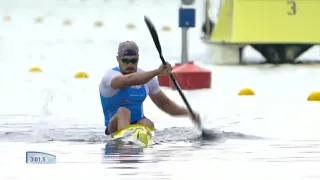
[(187, 19)]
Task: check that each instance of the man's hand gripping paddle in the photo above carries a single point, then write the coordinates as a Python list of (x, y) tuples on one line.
[(154, 34)]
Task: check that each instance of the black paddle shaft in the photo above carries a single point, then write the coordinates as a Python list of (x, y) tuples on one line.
[(205, 133), (156, 41)]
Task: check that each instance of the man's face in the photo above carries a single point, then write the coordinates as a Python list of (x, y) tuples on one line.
[(128, 64)]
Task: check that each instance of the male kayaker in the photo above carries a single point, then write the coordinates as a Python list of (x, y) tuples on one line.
[(124, 88)]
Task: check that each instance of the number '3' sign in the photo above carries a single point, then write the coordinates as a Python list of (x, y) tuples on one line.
[(293, 7)]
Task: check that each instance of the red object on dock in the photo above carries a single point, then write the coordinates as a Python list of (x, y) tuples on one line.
[(164, 80), (190, 77)]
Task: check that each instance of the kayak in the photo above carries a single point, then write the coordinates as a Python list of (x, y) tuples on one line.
[(135, 133)]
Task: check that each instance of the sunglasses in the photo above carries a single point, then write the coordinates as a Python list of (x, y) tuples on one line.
[(128, 61)]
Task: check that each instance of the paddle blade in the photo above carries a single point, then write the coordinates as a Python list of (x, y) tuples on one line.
[(153, 33), (208, 135)]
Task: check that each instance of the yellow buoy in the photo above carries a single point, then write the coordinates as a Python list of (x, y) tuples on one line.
[(166, 28), (35, 69), (66, 22), (7, 18), (98, 24), (131, 26), (314, 96), (81, 75), (38, 20), (246, 92)]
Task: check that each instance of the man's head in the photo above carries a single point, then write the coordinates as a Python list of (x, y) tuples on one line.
[(128, 56)]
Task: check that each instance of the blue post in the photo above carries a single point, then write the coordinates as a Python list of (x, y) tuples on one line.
[(187, 19)]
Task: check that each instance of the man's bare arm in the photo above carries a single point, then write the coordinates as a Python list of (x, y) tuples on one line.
[(137, 78), (167, 105)]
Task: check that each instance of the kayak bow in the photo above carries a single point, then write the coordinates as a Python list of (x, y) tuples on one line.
[(136, 133)]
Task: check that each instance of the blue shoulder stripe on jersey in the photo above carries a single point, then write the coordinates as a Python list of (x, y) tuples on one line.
[(116, 68)]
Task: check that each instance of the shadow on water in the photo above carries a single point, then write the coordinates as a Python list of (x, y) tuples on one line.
[(121, 152), (131, 160), (168, 135), (190, 135), (124, 155)]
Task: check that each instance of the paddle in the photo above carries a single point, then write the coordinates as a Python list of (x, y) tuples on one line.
[(154, 34)]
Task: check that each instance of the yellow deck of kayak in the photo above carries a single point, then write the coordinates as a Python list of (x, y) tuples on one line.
[(137, 131)]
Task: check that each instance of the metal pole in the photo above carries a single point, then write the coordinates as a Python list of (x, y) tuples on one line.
[(184, 49)]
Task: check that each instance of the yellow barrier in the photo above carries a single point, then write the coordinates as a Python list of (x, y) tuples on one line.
[(81, 75), (166, 28), (223, 28), (246, 92), (314, 96), (268, 21), (66, 22), (38, 20), (7, 18), (131, 26), (98, 24), (35, 69)]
